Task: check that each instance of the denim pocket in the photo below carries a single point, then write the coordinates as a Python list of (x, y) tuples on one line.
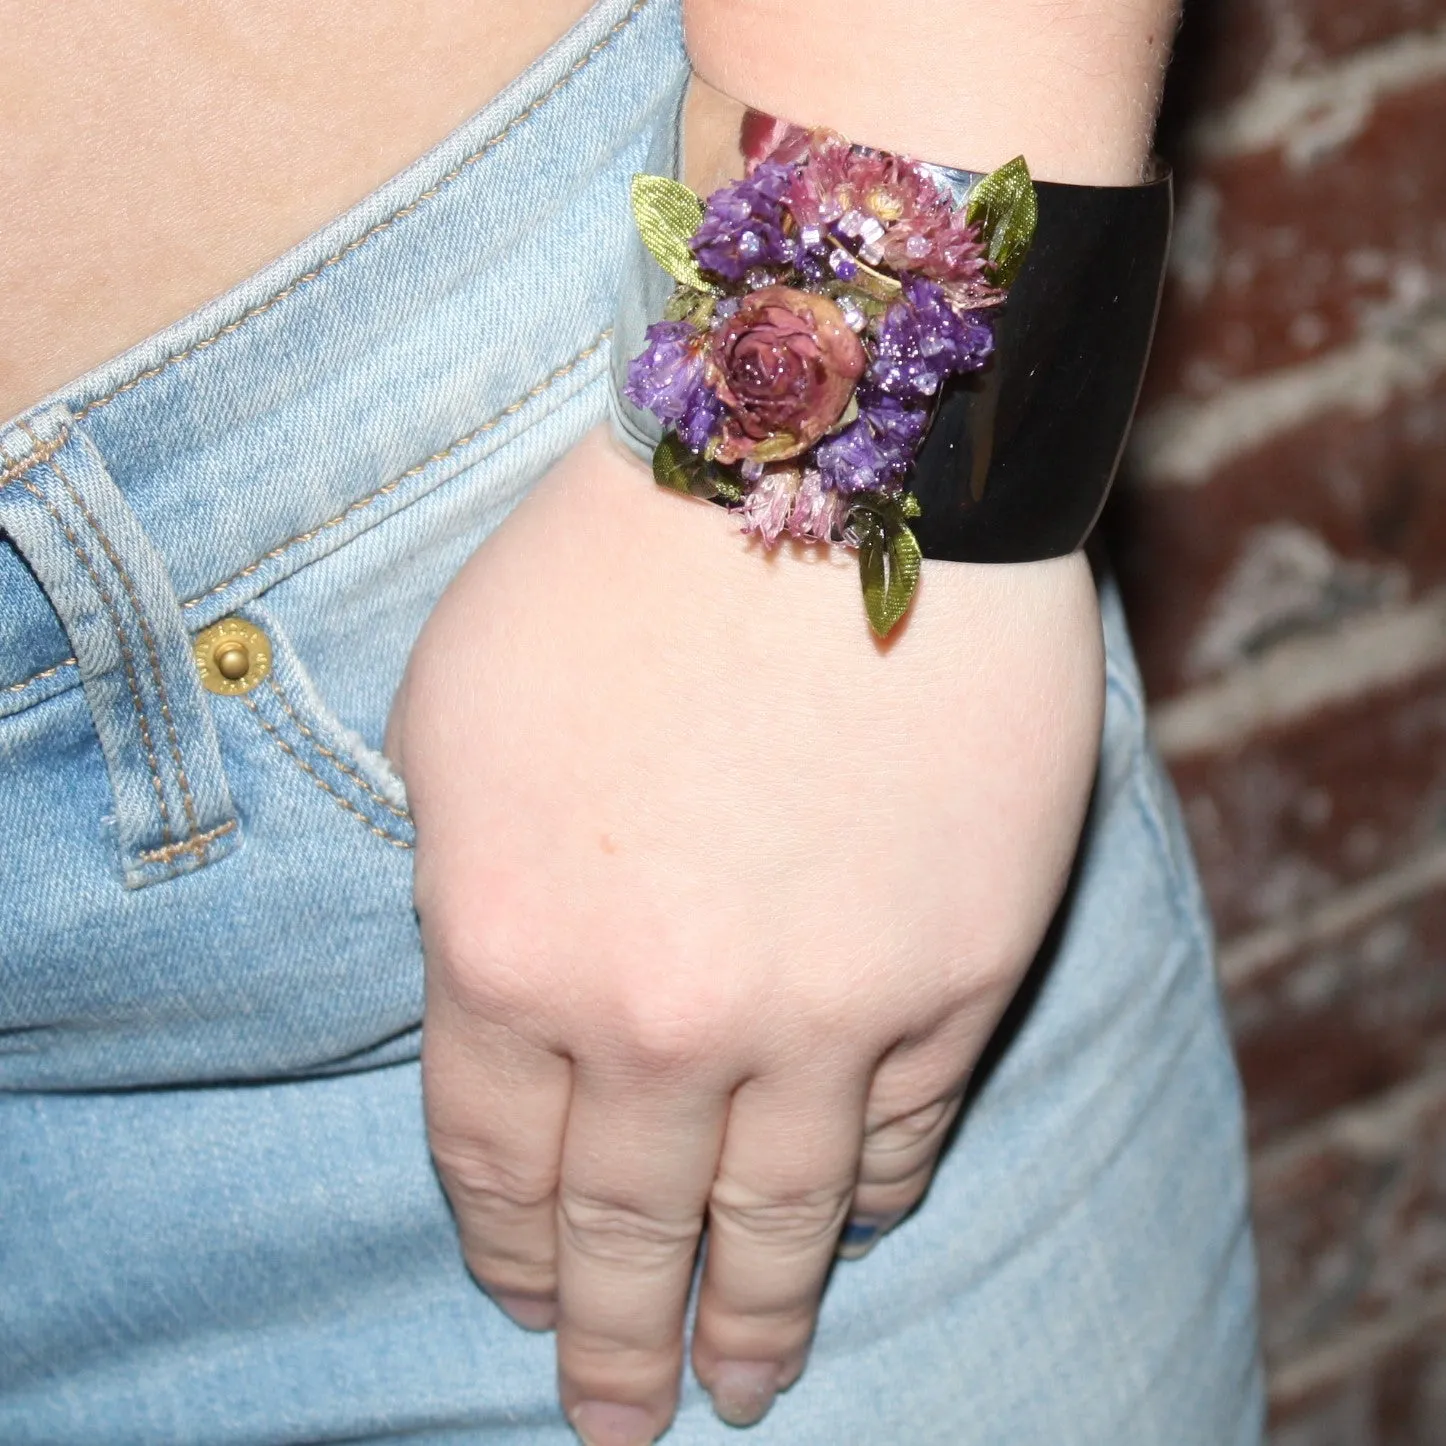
[(297, 954), (315, 753)]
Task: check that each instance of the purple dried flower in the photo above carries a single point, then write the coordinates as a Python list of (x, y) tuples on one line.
[(701, 418), (875, 451), (852, 460), (664, 375), (666, 378), (899, 427), (923, 341), (743, 224)]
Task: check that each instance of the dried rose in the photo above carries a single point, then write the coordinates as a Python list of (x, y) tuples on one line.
[(784, 366), (766, 138)]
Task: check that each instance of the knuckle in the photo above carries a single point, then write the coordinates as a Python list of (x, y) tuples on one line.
[(480, 1182), (483, 975), (662, 1035), (508, 1272), (892, 1199), (904, 1133), (903, 1149), (484, 944), (799, 1218), (611, 1230)]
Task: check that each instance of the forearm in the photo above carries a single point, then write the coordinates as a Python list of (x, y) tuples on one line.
[(1072, 87)]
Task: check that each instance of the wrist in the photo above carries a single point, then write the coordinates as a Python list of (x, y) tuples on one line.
[(605, 494), (1075, 89)]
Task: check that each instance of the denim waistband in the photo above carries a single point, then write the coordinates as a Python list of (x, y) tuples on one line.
[(467, 297)]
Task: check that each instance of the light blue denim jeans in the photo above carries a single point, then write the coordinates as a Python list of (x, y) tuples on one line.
[(218, 1219)]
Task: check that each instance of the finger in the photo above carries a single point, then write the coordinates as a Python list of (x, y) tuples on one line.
[(897, 1163), (496, 1107), (783, 1188), (638, 1161), (913, 1101)]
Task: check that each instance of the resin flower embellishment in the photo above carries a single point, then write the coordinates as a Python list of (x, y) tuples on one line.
[(784, 366), (824, 303)]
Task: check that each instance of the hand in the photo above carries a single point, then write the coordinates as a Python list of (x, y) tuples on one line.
[(720, 901)]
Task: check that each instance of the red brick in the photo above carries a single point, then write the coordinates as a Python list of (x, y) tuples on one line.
[(1372, 490), (1289, 260), (1351, 1229), (1336, 1023), (1226, 46), (1397, 1399), (1282, 822)]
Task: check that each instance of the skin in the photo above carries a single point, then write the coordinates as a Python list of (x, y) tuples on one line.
[(720, 902), (157, 152), (720, 898)]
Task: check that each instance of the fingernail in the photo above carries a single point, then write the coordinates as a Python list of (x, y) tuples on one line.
[(607, 1423), (858, 1238), (529, 1311), (744, 1390)]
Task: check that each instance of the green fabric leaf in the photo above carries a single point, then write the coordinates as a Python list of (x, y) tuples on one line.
[(681, 470), (777, 448), (1007, 209), (689, 304), (675, 466), (725, 483), (867, 303), (889, 563), (667, 214)]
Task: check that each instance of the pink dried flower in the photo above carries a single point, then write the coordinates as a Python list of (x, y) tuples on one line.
[(819, 513), (860, 192), (767, 507), (766, 138)]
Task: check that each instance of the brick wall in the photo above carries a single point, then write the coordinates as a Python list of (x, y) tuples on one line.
[(1281, 534)]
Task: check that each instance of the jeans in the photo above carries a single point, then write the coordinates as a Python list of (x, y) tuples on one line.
[(218, 1218)]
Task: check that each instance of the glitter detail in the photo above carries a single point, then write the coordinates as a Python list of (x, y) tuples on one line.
[(743, 224)]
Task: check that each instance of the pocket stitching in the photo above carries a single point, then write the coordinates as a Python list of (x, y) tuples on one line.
[(385, 490), (343, 802), (334, 758)]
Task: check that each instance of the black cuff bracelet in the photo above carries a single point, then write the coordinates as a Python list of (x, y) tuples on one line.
[(1021, 455), (849, 346)]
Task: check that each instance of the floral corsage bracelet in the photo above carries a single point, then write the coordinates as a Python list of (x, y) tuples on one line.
[(822, 302)]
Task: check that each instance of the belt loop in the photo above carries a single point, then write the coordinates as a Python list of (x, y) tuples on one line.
[(114, 596)]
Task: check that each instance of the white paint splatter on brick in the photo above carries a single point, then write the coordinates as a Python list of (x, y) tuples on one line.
[(1309, 115), (1183, 442), (1353, 1353), (1286, 581), (1291, 680), (1246, 956)]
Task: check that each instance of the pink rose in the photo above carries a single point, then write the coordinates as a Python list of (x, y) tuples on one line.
[(784, 366)]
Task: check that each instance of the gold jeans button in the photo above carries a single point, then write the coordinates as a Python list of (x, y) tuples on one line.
[(233, 656)]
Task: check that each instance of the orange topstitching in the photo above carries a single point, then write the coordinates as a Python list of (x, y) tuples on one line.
[(511, 409)]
